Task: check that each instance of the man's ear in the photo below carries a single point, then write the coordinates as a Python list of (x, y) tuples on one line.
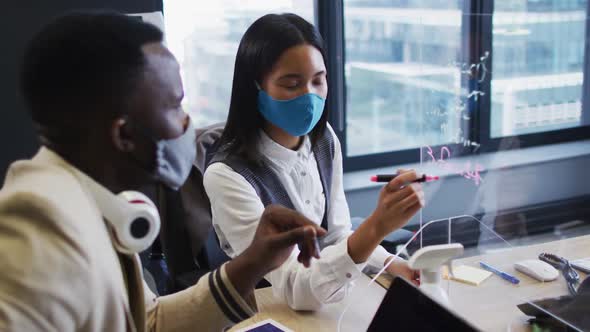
[(121, 135)]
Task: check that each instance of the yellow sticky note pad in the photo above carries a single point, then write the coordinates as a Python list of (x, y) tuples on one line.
[(467, 274)]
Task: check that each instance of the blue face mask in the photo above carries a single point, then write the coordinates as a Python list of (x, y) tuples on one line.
[(297, 116)]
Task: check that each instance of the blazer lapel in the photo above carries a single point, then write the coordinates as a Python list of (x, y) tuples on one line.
[(132, 268)]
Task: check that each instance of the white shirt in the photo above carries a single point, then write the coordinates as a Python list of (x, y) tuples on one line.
[(236, 211)]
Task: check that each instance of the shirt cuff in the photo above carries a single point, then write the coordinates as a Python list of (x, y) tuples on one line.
[(228, 299), (343, 267), (378, 257)]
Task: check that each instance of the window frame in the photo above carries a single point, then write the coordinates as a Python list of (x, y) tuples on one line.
[(476, 35)]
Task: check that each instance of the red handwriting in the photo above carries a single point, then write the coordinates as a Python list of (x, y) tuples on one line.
[(466, 170)]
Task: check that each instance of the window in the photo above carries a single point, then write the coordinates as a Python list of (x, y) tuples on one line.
[(538, 71), (401, 82), (205, 38), (462, 73)]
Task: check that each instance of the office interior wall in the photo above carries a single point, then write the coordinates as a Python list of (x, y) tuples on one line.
[(20, 20)]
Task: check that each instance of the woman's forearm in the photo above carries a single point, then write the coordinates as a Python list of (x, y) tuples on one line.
[(364, 240)]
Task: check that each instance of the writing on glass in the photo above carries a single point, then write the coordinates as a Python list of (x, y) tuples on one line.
[(468, 170)]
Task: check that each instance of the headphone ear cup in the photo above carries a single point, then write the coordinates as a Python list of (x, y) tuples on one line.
[(139, 224)]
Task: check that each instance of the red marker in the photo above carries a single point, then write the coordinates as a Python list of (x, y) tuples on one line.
[(389, 177)]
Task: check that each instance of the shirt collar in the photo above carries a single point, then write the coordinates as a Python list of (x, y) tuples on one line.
[(281, 155)]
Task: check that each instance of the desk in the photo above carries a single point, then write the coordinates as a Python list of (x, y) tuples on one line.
[(495, 313)]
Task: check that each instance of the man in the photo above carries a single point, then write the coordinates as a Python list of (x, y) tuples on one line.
[(105, 94)]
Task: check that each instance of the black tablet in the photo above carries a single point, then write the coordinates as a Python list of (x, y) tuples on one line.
[(405, 308)]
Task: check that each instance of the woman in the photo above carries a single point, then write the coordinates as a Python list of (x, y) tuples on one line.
[(277, 148)]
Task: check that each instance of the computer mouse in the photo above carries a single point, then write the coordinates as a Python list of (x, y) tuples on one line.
[(537, 269)]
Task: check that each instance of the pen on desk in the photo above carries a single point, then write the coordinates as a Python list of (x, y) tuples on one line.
[(502, 274), (389, 177)]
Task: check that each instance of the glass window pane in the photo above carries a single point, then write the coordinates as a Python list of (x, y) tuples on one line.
[(538, 65), (403, 74), (204, 37)]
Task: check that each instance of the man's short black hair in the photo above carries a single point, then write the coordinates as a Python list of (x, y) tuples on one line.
[(84, 62)]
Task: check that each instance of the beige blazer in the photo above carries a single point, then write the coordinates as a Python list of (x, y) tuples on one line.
[(60, 272)]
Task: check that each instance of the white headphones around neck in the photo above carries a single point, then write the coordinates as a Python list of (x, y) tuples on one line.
[(133, 219)]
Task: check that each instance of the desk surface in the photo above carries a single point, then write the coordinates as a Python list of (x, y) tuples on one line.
[(490, 306)]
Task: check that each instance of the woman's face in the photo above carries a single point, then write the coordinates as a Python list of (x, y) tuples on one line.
[(298, 71)]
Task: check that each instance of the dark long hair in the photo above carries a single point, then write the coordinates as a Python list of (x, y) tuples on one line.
[(260, 48)]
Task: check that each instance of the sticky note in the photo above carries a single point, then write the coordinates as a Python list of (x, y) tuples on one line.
[(467, 274)]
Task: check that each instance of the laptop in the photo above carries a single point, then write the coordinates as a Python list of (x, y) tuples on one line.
[(406, 308)]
